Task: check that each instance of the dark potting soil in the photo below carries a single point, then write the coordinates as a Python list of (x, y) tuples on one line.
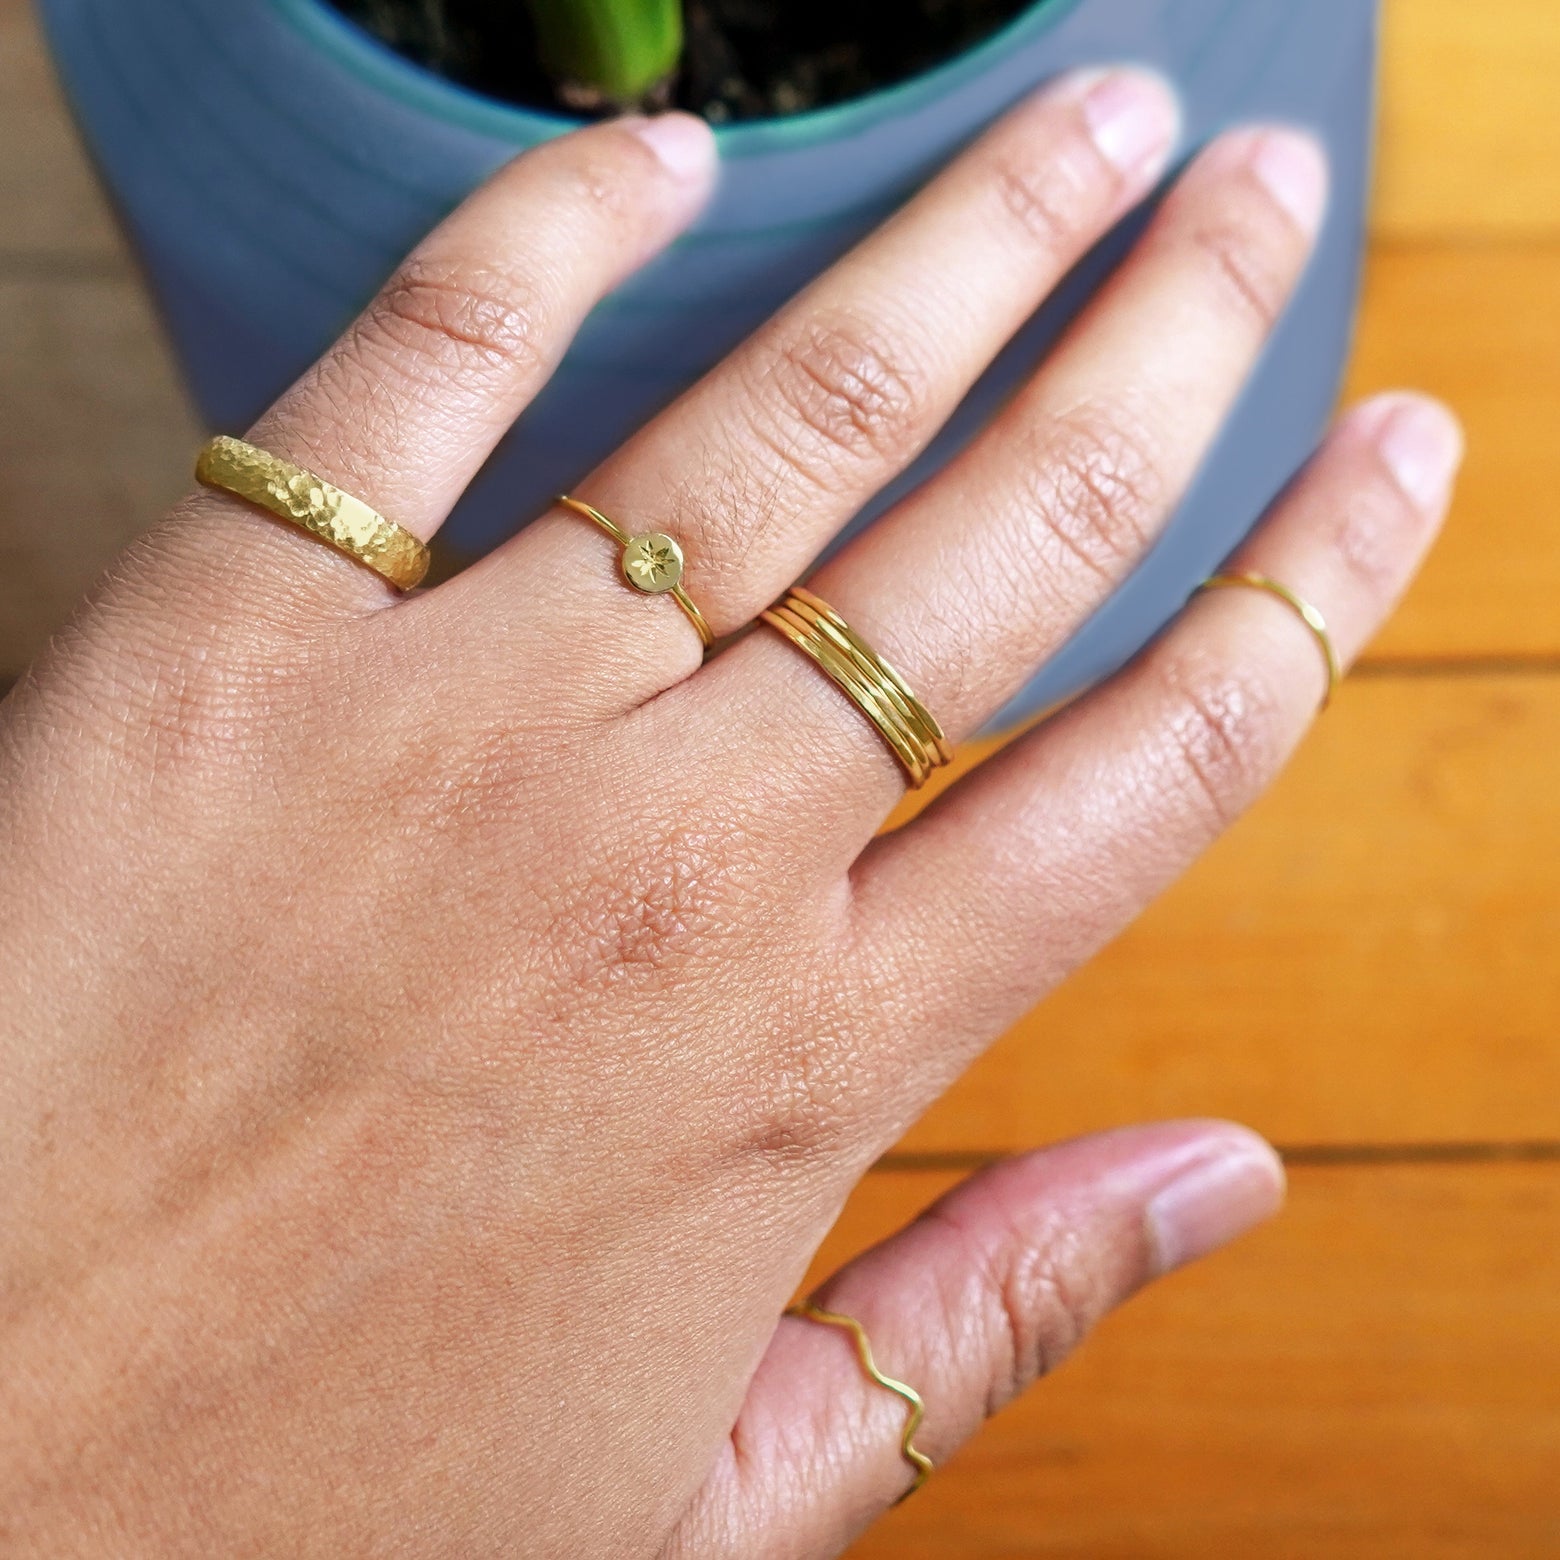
[(744, 59)]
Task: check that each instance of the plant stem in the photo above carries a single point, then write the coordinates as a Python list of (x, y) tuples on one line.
[(621, 49)]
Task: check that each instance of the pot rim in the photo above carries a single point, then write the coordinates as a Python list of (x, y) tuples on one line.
[(321, 24)]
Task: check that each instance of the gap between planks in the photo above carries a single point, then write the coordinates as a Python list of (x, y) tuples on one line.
[(1310, 1155)]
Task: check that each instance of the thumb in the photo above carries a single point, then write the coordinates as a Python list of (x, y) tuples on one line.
[(990, 1289)]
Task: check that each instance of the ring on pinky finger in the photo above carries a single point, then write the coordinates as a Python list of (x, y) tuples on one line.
[(1086, 819)]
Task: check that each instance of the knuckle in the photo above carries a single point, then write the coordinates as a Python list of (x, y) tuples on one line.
[(851, 394), (612, 184), (1377, 532), (1221, 726), (1056, 188), (805, 1108), (1040, 200), (643, 917), (1045, 1307), (456, 319), (197, 689), (1036, 1296), (603, 187), (1098, 489), (1251, 258)]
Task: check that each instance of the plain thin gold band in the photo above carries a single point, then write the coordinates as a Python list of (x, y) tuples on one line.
[(1302, 608), (883, 696), (625, 541), (338, 519), (813, 609), (918, 1460)]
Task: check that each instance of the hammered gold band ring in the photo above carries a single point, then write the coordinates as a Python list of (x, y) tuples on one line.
[(882, 695), (1302, 609), (918, 1460), (651, 563), (311, 503)]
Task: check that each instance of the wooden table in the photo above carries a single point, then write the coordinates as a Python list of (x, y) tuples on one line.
[(1368, 969)]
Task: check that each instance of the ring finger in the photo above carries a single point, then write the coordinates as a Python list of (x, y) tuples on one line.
[(973, 580)]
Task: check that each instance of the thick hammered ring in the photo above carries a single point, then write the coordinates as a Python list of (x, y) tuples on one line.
[(651, 563), (311, 503)]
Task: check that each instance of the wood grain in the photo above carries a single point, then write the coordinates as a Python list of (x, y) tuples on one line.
[(1373, 1375), (1369, 957), (1470, 120), (1366, 967), (1479, 326), (95, 442), (52, 210), (1469, 201)]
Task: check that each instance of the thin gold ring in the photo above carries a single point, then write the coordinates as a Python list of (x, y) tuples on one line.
[(918, 1460), (338, 519), (651, 563), (822, 616), (1302, 608), (878, 691)]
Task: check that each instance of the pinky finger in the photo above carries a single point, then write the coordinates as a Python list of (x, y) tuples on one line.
[(1026, 868), (986, 1292)]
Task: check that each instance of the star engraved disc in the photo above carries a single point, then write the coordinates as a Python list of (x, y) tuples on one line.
[(652, 563)]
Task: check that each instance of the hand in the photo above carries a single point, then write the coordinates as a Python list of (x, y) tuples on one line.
[(438, 1031)]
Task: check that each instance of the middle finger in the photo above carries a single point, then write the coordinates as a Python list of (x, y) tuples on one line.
[(757, 466)]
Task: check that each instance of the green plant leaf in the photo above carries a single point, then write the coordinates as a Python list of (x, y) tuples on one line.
[(621, 49)]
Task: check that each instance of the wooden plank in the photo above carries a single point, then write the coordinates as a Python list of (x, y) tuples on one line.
[(1372, 1377), (1470, 119), (1480, 327), (50, 200), (95, 441), (1369, 957)]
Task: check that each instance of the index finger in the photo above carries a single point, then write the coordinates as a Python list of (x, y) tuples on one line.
[(403, 410)]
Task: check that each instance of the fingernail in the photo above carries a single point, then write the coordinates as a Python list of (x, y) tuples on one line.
[(1294, 169), (682, 142), (1213, 1200), (1133, 119), (1422, 444)]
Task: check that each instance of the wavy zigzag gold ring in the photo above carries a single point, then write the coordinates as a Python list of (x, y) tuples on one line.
[(918, 1460)]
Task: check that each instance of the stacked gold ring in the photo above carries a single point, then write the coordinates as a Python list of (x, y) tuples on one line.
[(905, 724)]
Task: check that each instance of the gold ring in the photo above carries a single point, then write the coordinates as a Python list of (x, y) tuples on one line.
[(651, 563), (336, 518), (905, 724), (1302, 608), (918, 1460)]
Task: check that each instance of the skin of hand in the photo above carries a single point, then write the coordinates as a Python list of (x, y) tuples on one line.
[(438, 1031)]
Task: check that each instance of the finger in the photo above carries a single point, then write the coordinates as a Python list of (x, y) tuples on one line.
[(405, 407), (990, 567), (989, 1290), (1029, 866), (757, 466)]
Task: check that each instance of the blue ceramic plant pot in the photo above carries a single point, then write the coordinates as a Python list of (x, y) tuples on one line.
[(272, 164)]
